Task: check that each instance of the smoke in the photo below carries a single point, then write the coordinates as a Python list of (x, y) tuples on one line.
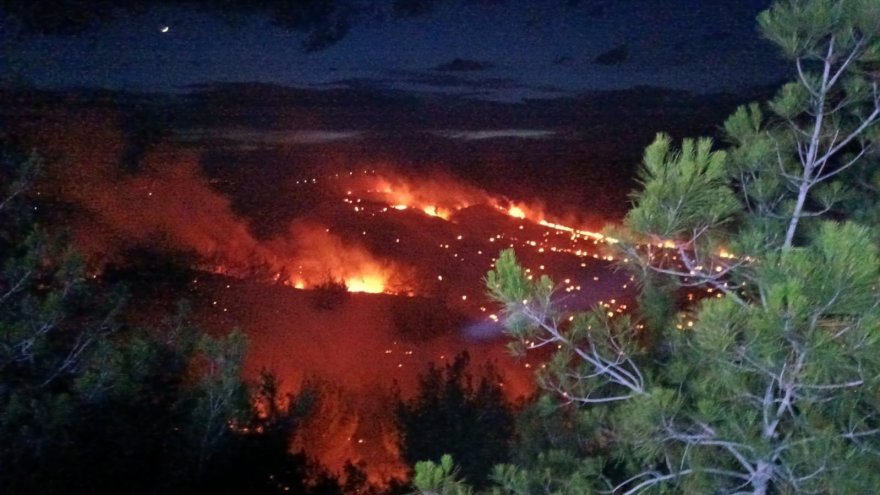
[(167, 204), (483, 331)]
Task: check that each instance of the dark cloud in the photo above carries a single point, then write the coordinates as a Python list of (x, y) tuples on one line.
[(429, 79), (487, 88), (323, 22), (564, 60), (464, 65), (326, 35), (413, 8), (614, 56), (273, 40), (450, 80)]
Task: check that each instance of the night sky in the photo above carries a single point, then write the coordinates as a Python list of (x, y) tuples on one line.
[(501, 50)]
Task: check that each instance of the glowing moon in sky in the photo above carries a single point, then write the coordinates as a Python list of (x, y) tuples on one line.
[(164, 29)]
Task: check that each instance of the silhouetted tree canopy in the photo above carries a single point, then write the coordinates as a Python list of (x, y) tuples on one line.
[(91, 402), (452, 413)]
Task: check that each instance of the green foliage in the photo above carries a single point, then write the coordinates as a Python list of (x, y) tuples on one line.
[(544, 424), (766, 382), (92, 403), (801, 27), (683, 191), (791, 101), (531, 319), (558, 449), (554, 472), (509, 284), (439, 479), (822, 127), (218, 395)]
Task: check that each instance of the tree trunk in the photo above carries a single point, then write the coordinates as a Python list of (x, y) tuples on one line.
[(796, 215), (761, 478)]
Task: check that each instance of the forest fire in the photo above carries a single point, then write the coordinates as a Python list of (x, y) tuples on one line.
[(325, 250), (411, 252), (170, 206), (321, 250)]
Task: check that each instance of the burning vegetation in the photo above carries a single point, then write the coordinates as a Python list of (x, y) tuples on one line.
[(388, 268)]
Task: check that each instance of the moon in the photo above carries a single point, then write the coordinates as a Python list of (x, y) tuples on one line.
[(164, 29)]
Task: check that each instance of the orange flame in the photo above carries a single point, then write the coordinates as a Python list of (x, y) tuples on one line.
[(516, 212), (440, 197), (369, 282), (536, 215), (434, 211), (320, 257)]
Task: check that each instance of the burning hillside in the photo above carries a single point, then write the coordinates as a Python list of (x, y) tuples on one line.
[(424, 241), (439, 212)]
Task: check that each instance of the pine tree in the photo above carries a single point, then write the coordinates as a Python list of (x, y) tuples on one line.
[(52, 323), (766, 379), (93, 403), (439, 478), (450, 414)]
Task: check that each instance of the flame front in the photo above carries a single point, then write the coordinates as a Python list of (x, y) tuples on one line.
[(440, 197), (443, 197)]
